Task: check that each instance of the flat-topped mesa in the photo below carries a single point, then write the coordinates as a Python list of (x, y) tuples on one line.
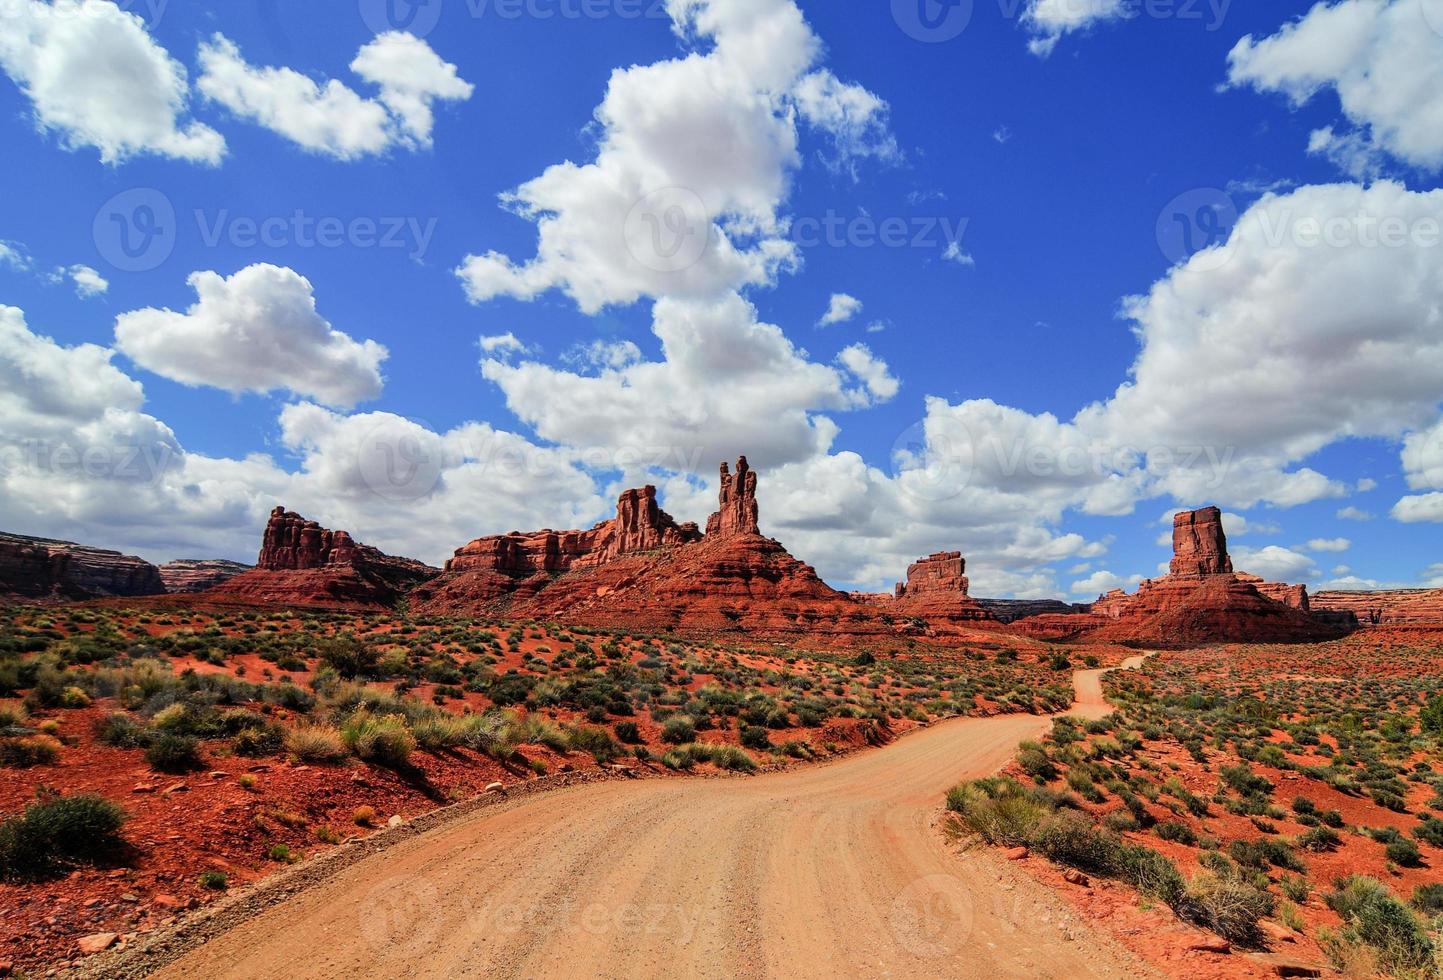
[(198, 574), (738, 499), (1199, 546), (47, 570), (938, 573)]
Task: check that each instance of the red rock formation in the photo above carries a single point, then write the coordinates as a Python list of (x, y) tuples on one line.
[(738, 511), (1289, 595), (1013, 610), (46, 570), (940, 572), (640, 525), (198, 574), (302, 563), (643, 571), (490, 568), (1199, 546), (936, 593), (1201, 601), (1402, 607)]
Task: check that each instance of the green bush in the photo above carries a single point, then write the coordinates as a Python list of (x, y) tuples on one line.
[(382, 739), (627, 732), (316, 744), (1428, 899), (1372, 916), (1227, 905), (1404, 852), (33, 750), (56, 831), (678, 730), (348, 656), (168, 752), (755, 737)]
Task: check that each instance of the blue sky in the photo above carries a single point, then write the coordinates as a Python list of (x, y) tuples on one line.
[(1035, 167)]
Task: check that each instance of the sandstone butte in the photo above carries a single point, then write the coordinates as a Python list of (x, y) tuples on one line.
[(39, 569), (1201, 600), (642, 569), (302, 563)]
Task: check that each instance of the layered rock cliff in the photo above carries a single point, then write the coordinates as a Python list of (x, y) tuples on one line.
[(198, 574), (1403, 607), (302, 563), (643, 570), (42, 569)]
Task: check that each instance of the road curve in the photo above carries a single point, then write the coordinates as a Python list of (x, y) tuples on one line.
[(833, 870)]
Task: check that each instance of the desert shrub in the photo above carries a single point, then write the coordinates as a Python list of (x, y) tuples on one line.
[(1372, 916), (266, 738), (316, 744), (169, 752), (56, 831), (627, 732), (1035, 763), (214, 880), (721, 756), (1319, 839), (1151, 873), (1000, 811), (755, 737), (1296, 888), (678, 730), (1071, 838), (1227, 905), (1428, 899), (596, 740), (1177, 832), (1404, 852), (12, 714), (348, 656), (120, 730), (34, 750), (1431, 717), (382, 739), (1242, 779), (1430, 831)]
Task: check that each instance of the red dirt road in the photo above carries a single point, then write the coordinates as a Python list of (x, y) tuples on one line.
[(836, 870)]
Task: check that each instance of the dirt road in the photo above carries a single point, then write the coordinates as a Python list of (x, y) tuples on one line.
[(836, 870)]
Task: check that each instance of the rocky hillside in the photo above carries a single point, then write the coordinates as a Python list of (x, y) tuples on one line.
[(45, 570)]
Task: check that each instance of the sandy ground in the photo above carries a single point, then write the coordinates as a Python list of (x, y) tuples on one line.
[(835, 870)]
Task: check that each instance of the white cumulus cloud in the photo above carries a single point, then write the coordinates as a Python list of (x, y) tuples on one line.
[(96, 77), (331, 118), (257, 330)]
